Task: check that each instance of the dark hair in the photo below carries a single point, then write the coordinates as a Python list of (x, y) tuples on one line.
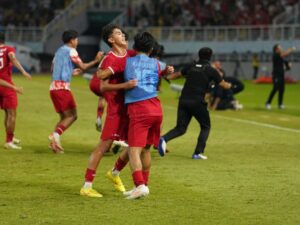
[(205, 53), (68, 35), (2, 37), (107, 31), (275, 47), (143, 42), (158, 50)]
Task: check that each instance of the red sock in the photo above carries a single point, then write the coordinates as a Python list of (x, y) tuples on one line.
[(9, 136), (120, 164), (138, 178), (146, 174), (60, 129), (90, 175), (100, 111)]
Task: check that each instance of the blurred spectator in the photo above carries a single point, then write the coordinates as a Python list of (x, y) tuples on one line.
[(255, 65), (29, 12), (205, 12)]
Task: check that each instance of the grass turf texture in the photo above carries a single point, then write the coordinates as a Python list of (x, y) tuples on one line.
[(251, 176)]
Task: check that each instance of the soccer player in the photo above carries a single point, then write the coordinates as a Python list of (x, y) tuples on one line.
[(63, 67), (95, 88), (115, 127), (192, 101), (8, 95), (144, 110), (278, 74)]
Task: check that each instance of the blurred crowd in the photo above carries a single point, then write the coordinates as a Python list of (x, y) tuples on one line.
[(29, 12), (205, 12)]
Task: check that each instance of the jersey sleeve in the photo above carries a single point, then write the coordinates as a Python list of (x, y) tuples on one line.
[(108, 63), (131, 53), (75, 57), (161, 68), (11, 49)]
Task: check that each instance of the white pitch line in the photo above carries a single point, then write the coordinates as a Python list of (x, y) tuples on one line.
[(259, 124), (249, 122)]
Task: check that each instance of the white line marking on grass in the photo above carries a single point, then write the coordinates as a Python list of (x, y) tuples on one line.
[(259, 124), (248, 122)]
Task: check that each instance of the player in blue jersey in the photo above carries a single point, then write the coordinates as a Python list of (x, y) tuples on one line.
[(64, 65), (144, 110)]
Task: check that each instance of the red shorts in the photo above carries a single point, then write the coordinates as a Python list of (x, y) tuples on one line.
[(95, 86), (116, 124), (8, 98), (63, 100), (144, 131)]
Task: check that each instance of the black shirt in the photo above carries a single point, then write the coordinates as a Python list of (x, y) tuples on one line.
[(278, 65), (198, 77)]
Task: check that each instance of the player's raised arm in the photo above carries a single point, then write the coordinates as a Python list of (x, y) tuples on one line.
[(17, 64), (84, 66)]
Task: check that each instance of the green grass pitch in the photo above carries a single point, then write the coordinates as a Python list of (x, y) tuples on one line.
[(252, 176)]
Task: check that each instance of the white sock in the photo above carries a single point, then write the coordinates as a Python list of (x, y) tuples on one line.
[(115, 172), (88, 185)]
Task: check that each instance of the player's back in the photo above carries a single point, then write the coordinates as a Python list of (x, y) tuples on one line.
[(5, 63), (62, 64)]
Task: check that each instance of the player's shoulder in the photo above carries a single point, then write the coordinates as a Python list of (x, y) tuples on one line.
[(7, 48)]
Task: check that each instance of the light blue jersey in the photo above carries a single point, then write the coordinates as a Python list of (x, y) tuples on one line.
[(146, 71), (63, 65)]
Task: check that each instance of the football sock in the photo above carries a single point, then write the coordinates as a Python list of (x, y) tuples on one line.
[(88, 185), (60, 129), (100, 111), (138, 178), (146, 174), (119, 165), (90, 175), (9, 136)]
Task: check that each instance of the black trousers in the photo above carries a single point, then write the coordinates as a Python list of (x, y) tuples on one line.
[(278, 85), (188, 108)]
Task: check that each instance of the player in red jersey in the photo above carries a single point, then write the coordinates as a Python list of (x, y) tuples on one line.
[(8, 95), (112, 87)]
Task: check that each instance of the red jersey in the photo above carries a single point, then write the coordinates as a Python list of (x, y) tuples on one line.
[(117, 66), (5, 63)]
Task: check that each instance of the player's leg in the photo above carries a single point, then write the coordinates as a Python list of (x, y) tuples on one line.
[(183, 119), (94, 160), (100, 110), (10, 124), (280, 94), (202, 116), (272, 93), (114, 173)]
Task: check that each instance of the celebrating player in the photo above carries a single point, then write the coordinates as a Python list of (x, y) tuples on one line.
[(65, 59), (112, 88), (8, 94)]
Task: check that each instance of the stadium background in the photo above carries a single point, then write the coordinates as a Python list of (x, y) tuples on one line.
[(235, 29)]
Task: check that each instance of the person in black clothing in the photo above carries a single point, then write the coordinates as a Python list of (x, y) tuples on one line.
[(278, 74), (192, 101)]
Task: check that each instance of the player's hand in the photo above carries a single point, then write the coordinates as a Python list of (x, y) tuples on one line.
[(99, 56), (19, 90), (77, 72), (130, 84), (170, 69), (27, 75), (229, 85)]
